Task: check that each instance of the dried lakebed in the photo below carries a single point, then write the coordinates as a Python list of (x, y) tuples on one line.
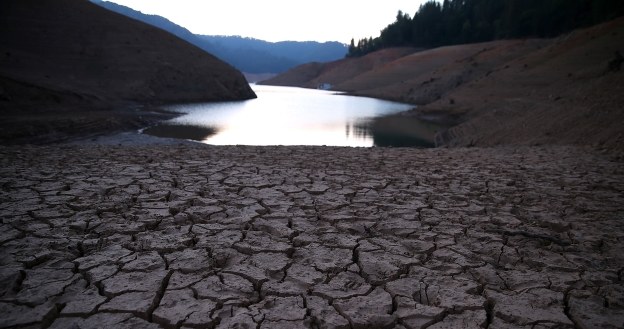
[(310, 237)]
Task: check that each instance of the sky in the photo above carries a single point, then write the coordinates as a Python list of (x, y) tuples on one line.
[(280, 20)]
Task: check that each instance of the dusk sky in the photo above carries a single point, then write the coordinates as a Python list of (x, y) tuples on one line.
[(279, 20)]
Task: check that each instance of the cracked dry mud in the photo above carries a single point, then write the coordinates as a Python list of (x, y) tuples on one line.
[(310, 237)]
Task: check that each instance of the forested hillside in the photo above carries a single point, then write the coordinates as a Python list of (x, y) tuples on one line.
[(467, 21)]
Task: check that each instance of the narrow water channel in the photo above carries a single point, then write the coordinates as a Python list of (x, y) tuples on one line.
[(297, 116)]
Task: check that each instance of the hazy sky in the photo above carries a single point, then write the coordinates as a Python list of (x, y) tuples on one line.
[(279, 20)]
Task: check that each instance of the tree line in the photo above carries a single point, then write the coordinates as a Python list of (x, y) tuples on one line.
[(467, 21)]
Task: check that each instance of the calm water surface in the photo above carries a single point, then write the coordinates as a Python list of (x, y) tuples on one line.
[(288, 116)]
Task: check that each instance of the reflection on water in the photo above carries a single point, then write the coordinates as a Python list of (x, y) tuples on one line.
[(401, 131), (196, 133), (293, 116)]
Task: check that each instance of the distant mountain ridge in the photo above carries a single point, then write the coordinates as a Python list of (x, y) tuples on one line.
[(271, 57), (268, 57)]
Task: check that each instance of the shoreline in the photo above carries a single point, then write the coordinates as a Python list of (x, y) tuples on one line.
[(71, 124)]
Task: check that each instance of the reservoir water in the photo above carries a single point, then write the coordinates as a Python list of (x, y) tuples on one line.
[(297, 116)]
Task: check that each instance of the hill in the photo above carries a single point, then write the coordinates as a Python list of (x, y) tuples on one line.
[(311, 75), (272, 57), (268, 57), (568, 92), (65, 56), (529, 91)]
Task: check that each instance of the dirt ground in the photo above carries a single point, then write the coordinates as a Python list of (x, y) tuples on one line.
[(170, 236)]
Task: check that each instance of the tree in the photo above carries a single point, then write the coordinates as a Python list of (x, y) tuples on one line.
[(351, 49), (464, 21)]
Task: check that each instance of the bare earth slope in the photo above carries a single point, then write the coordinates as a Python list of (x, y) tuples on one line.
[(66, 54), (425, 76), (563, 93), (557, 91), (312, 74)]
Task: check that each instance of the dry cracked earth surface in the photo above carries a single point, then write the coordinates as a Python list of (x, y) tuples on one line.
[(310, 237)]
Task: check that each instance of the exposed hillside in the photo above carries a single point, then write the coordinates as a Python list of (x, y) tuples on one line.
[(268, 57), (424, 77), (571, 91), (503, 92), (73, 55), (310, 75)]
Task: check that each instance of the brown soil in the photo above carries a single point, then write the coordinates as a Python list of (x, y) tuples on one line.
[(424, 77), (312, 74), (534, 91), (561, 94)]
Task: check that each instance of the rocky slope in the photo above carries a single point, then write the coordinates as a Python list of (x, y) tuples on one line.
[(530, 91), (67, 55)]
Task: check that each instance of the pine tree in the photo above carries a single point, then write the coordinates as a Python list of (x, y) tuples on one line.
[(464, 21)]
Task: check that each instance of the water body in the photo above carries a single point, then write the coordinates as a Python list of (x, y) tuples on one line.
[(297, 116)]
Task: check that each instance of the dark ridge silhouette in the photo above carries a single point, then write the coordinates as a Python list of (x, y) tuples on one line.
[(77, 46), (73, 56)]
